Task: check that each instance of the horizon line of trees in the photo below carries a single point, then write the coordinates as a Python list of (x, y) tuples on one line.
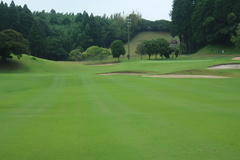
[(198, 23), (54, 35), (160, 47)]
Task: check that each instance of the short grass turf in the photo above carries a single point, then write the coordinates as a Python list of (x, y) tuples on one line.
[(65, 111)]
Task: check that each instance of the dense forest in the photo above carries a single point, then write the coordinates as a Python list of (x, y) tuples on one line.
[(202, 22), (54, 35)]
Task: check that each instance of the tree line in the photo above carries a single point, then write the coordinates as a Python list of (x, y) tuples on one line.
[(160, 47), (202, 22), (98, 53), (53, 35)]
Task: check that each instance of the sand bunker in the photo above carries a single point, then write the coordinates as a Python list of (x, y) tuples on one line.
[(106, 64), (236, 58), (165, 76), (226, 66), (108, 74), (186, 76)]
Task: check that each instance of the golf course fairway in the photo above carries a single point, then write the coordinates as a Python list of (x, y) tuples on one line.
[(67, 111)]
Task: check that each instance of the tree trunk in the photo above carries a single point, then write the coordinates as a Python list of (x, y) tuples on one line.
[(4, 59)]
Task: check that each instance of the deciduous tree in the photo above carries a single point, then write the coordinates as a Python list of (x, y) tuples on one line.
[(141, 49), (12, 42), (76, 55), (236, 38), (117, 48), (163, 48), (97, 53)]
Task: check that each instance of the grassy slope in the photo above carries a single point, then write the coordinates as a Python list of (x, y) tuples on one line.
[(217, 50), (51, 110), (145, 36)]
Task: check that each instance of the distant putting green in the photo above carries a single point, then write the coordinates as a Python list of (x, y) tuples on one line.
[(66, 111)]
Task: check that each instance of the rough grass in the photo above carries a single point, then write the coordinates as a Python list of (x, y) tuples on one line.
[(216, 50), (63, 110)]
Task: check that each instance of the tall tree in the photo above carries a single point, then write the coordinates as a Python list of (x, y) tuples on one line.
[(236, 38), (12, 42), (163, 47), (150, 46), (117, 48), (97, 53), (203, 22), (26, 20), (3, 16), (141, 49), (13, 17), (182, 21), (37, 40)]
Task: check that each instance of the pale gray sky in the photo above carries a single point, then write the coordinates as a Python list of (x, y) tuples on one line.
[(150, 9)]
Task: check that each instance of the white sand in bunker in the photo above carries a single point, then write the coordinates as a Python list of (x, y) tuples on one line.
[(236, 58), (107, 64), (165, 76), (186, 76), (226, 66), (108, 74)]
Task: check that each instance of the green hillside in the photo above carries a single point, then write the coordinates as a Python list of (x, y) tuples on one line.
[(35, 65), (217, 50), (146, 36), (66, 110)]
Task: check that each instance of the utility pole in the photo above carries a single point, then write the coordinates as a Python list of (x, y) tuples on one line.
[(129, 23)]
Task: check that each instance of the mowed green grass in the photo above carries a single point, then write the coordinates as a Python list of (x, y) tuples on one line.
[(65, 111)]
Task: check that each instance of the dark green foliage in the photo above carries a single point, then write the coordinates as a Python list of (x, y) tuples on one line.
[(26, 20), (37, 40), (236, 38), (155, 47), (56, 34), (76, 55), (202, 22), (181, 21), (141, 49), (3, 16), (183, 48), (66, 21), (150, 48), (13, 17), (12, 42), (163, 48), (55, 50), (117, 48), (96, 53), (79, 17)]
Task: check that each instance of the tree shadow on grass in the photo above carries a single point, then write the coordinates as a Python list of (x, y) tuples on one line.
[(10, 66)]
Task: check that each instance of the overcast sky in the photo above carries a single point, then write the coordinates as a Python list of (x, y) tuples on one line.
[(150, 9)]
